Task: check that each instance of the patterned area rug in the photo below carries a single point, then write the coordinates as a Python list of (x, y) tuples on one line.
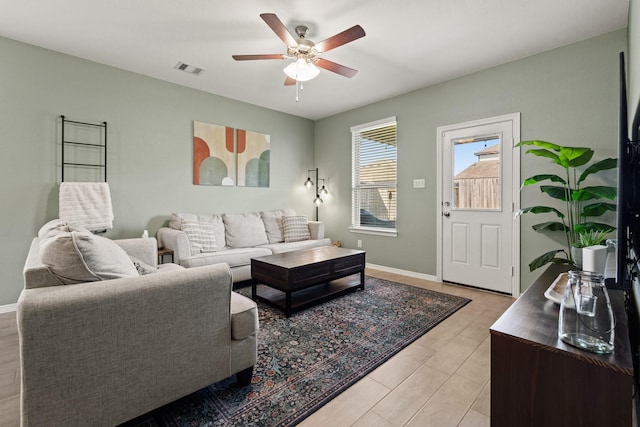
[(308, 359)]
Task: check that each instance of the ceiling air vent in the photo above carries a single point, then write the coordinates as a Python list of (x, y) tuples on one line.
[(189, 68)]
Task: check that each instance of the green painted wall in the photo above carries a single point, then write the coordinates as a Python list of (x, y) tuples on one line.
[(567, 95), (150, 148)]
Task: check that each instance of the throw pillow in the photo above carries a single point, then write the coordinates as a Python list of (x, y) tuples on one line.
[(59, 225), (296, 228), (78, 257), (142, 267), (244, 230), (176, 222), (201, 236), (273, 224)]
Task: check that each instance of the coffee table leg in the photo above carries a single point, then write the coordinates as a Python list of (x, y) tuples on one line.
[(287, 306), (362, 280), (253, 290)]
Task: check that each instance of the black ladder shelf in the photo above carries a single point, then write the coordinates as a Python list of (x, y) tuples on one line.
[(101, 145)]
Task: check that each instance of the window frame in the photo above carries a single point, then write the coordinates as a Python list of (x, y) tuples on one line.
[(356, 227)]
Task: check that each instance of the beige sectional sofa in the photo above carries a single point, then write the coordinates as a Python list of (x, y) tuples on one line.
[(105, 338), (205, 239)]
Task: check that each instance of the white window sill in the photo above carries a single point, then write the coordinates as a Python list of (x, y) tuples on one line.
[(389, 232)]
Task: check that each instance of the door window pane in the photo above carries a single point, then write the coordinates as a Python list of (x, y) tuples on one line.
[(476, 173)]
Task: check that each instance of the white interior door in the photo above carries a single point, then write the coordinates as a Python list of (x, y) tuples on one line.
[(477, 206)]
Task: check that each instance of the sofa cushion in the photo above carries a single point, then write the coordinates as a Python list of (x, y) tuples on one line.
[(278, 248), (163, 268), (273, 223), (234, 257), (201, 236), (244, 230), (296, 228), (244, 317), (78, 257), (176, 221)]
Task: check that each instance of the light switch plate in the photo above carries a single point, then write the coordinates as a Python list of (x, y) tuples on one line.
[(418, 183)]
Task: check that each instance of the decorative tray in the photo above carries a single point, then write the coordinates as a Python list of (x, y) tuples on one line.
[(555, 292)]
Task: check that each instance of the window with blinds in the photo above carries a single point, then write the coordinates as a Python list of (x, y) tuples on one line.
[(374, 204)]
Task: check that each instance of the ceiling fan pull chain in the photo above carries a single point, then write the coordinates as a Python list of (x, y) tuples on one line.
[(297, 84)]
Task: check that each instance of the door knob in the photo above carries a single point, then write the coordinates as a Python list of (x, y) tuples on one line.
[(447, 214)]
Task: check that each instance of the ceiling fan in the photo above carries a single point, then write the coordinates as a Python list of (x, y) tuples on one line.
[(305, 53)]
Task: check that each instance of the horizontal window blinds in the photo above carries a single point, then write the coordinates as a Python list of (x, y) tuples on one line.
[(374, 201)]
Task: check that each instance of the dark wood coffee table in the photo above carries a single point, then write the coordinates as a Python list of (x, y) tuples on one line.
[(299, 279)]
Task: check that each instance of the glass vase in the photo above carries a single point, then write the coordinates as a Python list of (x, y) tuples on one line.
[(586, 320)]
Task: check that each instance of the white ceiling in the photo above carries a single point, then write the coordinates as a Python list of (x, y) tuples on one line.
[(409, 44)]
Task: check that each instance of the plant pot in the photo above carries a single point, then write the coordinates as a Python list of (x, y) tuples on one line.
[(576, 254), (594, 258)]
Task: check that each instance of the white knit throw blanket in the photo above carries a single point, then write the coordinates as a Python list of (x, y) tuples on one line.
[(87, 204)]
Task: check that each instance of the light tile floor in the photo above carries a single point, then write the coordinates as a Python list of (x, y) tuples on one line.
[(442, 379)]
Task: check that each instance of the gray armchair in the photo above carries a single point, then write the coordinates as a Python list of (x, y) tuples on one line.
[(104, 352)]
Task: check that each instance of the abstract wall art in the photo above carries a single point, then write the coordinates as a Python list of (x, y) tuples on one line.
[(253, 151), (225, 156), (214, 158)]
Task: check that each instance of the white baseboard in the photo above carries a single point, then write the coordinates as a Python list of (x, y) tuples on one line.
[(403, 272), (8, 308)]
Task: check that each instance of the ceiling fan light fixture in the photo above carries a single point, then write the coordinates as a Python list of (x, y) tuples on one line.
[(302, 70)]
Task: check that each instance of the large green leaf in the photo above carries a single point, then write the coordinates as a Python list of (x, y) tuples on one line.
[(540, 178), (539, 143), (554, 191), (546, 153), (602, 165), (550, 226), (572, 157), (595, 192), (593, 226), (597, 209), (549, 257), (539, 210)]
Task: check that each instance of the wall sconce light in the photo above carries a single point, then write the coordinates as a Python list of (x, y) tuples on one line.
[(317, 201)]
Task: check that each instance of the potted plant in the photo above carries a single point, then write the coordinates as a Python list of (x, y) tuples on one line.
[(580, 202), (586, 238), (591, 238)]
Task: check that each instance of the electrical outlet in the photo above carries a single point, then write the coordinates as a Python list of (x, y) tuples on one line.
[(359, 243)]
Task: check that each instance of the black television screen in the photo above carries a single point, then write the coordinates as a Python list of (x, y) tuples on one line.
[(628, 204)]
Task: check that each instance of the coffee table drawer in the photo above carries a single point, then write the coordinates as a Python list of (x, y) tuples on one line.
[(350, 265), (317, 273)]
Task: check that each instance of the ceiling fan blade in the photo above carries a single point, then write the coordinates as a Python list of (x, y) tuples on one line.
[(289, 81), (344, 37), (254, 57), (336, 68), (278, 27)]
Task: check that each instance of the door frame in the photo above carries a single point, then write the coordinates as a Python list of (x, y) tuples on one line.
[(515, 247)]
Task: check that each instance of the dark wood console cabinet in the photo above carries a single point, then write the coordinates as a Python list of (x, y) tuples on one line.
[(538, 380)]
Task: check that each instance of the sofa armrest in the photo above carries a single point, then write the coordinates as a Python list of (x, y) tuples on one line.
[(316, 228), (146, 250), (176, 240), (91, 353)]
